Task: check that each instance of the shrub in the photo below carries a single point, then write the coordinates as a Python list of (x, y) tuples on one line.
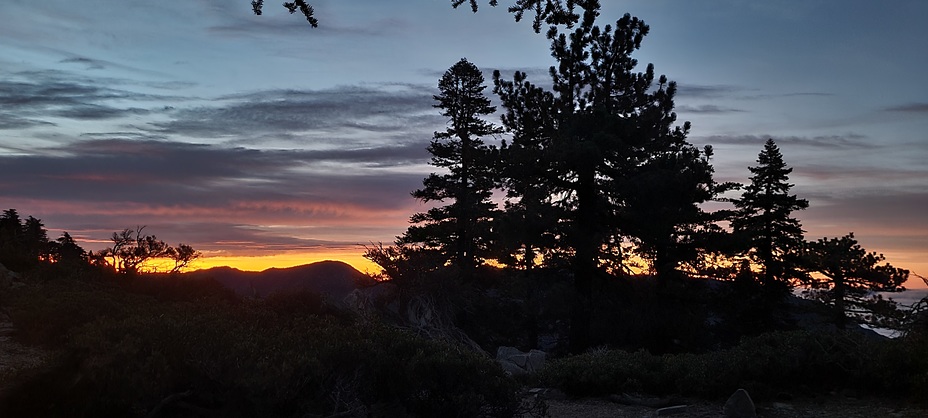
[(45, 314), (132, 354), (765, 365)]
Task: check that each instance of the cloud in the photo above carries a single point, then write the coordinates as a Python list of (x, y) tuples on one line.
[(172, 173), (909, 108), (706, 109), (97, 112), (280, 170), (706, 91), (90, 64), (274, 199), (8, 121), (28, 98), (833, 142), (381, 113)]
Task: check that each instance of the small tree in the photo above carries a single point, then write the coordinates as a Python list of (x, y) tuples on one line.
[(131, 250), (849, 275), (773, 236), (182, 255), (67, 252), (460, 229)]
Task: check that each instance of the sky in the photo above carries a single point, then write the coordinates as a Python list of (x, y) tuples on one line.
[(263, 142)]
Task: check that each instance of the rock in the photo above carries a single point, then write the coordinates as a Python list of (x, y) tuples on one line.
[(535, 361), (671, 410), (511, 368), (739, 405), (547, 394), (516, 362), (370, 301), (504, 352)]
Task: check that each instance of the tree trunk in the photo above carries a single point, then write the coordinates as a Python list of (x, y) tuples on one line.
[(839, 292), (584, 262)]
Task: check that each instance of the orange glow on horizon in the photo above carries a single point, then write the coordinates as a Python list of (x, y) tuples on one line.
[(355, 258), (258, 263)]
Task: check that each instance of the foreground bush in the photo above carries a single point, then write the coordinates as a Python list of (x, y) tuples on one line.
[(131, 355), (766, 365)]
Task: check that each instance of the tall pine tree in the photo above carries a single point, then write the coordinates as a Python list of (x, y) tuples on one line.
[(764, 220), (461, 229), (602, 123)]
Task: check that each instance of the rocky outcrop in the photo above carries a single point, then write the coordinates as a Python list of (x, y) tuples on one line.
[(373, 301), (516, 362)]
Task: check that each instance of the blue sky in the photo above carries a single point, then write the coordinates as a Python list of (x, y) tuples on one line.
[(260, 136)]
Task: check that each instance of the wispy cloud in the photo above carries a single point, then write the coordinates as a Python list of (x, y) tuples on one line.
[(834, 142), (685, 90), (89, 63), (909, 108), (8, 121), (380, 114), (113, 184), (28, 99), (706, 109)]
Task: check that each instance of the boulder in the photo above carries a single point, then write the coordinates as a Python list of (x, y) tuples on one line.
[(739, 405), (516, 362), (372, 300)]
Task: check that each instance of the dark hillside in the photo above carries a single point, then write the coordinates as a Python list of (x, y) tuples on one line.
[(333, 278)]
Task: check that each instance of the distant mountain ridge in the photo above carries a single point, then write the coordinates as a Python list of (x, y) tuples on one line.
[(334, 278)]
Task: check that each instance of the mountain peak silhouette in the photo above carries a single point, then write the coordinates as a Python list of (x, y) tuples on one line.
[(334, 278)]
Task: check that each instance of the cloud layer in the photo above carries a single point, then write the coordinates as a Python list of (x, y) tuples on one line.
[(253, 173)]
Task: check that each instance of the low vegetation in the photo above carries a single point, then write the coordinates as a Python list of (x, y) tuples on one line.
[(135, 350), (159, 346), (772, 365)]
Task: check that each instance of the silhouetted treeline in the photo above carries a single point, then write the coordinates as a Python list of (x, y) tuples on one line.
[(24, 244), (602, 186), (25, 247)]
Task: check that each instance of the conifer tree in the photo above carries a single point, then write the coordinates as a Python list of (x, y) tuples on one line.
[(662, 213), (849, 275), (461, 229), (602, 123), (530, 224), (23, 243), (67, 252), (764, 219)]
